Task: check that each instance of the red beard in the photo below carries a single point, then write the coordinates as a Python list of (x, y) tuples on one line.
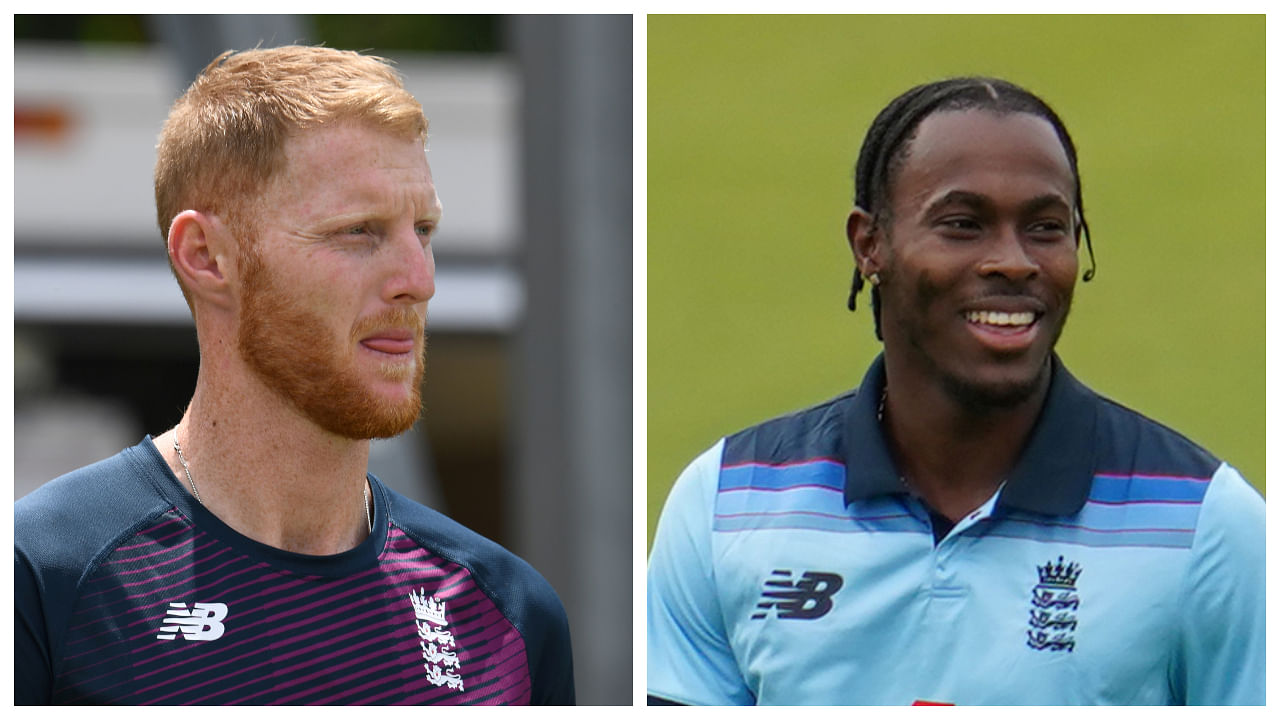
[(282, 341)]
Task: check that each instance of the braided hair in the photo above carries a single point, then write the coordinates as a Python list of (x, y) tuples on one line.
[(885, 148)]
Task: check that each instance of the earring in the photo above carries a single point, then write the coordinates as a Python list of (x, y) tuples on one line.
[(874, 279)]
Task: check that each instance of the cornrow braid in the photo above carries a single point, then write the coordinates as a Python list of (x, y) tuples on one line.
[(885, 147)]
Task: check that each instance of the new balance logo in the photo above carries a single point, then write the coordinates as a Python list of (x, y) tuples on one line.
[(804, 599), (202, 622)]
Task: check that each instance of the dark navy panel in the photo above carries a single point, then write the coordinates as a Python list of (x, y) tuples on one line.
[(1130, 444), (808, 434)]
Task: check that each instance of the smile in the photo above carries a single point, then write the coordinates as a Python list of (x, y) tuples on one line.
[(1000, 319)]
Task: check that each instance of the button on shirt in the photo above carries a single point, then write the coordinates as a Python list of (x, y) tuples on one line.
[(1119, 563)]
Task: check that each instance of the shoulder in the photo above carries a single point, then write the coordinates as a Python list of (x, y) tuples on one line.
[(1142, 460), (1221, 652), (1131, 441), (61, 531), (780, 445), (1232, 521), (519, 591), (813, 432), (684, 523), (69, 521)]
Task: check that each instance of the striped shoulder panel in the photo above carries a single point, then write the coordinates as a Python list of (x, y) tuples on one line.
[(1146, 491), (789, 474)]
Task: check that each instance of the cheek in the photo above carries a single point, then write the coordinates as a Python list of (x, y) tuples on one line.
[(1061, 269), (927, 289), (922, 284), (331, 286)]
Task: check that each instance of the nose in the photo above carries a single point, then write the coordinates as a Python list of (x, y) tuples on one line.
[(412, 277), (1007, 256)]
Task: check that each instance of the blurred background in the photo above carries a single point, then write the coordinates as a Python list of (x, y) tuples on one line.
[(526, 435), (754, 125)]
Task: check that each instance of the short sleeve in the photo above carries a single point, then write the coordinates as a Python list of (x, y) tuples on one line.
[(553, 675), (689, 658), (1222, 657), (31, 663)]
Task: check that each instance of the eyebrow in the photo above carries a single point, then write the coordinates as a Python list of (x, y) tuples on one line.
[(360, 205), (983, 202)]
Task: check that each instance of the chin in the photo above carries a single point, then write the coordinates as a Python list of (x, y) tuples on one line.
[(359, 404), (398, 374), (374, 417), (1004, 388), (399, 396)]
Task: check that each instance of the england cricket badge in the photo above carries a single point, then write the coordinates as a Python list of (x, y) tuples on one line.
[(436, 641), (1054, 603)]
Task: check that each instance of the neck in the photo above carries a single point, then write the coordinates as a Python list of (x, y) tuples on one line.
[(268, 472), (953, 454)]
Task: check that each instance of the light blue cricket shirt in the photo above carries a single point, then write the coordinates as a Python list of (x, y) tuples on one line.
[(1118, 564)]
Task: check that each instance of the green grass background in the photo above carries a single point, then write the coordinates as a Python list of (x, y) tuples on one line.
[(754, 124)]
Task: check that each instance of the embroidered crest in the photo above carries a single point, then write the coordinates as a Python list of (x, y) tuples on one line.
[(1054, 603), (436, 641)]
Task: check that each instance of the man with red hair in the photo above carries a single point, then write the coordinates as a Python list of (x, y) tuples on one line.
[(246, 555)]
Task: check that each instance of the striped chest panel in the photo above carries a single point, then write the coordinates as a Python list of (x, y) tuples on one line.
[(1123, 510), (175, 616), (799, 495), (1130, 510), (1060, 607)]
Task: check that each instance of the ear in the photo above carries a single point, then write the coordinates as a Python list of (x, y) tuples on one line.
[(199, 248), (865, 241)]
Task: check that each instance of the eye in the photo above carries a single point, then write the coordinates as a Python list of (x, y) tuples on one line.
[(960, 226), (360, 237), (1047, 229)]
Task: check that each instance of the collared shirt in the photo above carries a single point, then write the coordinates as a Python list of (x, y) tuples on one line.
[(1118, 563)]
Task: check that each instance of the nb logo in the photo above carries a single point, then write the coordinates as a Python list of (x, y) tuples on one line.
[(804, 599), (202, 622)]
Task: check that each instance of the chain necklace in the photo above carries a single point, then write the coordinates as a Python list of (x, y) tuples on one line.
[(884, 397), (368, 516)]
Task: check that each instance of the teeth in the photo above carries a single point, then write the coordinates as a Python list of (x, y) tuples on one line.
[(984, 317)]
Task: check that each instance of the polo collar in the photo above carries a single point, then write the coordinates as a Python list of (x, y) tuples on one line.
[(1052, 476)]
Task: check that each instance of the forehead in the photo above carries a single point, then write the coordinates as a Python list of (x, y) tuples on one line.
[(349, 162), (979, 150)]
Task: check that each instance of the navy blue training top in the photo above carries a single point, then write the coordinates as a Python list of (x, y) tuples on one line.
[(128, 591)]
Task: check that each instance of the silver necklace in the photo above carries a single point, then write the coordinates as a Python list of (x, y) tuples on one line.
[(884, 396), (368, 516)]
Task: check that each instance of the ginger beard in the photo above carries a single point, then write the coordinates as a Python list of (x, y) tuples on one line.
[(282, 342)]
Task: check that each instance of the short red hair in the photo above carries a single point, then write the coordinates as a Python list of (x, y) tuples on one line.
[(224, 138)]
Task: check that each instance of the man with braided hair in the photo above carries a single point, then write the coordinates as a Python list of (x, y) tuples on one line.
[(971, 525), (247, 556)]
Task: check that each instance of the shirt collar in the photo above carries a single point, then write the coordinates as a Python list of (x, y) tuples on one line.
[(1052, 476)]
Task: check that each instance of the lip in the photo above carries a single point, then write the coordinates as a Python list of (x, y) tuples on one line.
[(999, 338), (1007, 304), (398, 341)]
